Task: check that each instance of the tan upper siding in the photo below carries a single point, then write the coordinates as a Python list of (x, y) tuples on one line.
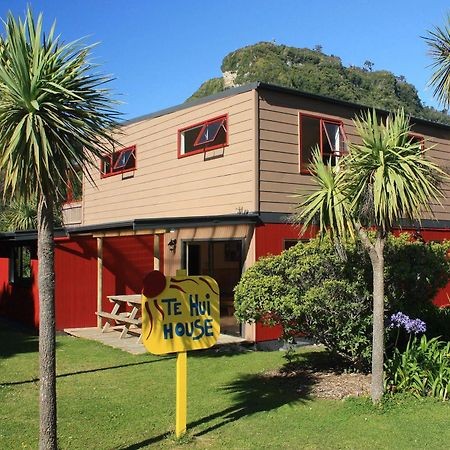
[(279, 177), (165, 186)]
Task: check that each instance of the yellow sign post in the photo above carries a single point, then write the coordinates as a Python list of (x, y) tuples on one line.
[(181, 408), (179, 313)]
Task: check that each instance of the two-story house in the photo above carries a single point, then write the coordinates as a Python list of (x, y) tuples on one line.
[(207, 186)]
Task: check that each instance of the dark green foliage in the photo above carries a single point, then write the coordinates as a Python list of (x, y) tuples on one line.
[(314, 71), (326, 291), (338, 314), (413, 273), (18, 215), (209, 87), (423, 369), (438, 322)]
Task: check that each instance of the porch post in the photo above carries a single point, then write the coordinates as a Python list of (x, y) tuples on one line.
[(99, 279)]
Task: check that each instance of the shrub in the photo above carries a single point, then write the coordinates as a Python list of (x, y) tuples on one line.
[(423, 369), (265, 294), (414, 273), (326, 293), (438, 322), (338, 315)]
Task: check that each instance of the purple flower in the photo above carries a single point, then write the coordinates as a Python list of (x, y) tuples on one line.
[(415, 326)]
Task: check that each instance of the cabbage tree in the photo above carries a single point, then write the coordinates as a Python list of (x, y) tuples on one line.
[(438, 41), (383, 179), (55, 116)]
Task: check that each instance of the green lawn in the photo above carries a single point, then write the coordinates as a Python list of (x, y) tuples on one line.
[(108, 399)]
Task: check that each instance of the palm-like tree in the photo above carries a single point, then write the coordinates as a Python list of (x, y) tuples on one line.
[(18, 215), (438, 41), (55, 116), (382, 180)]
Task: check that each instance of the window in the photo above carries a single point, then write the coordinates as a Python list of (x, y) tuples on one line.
[(119, 162), (203, 136), (417, 138), (326, 134), (288, 243), (74, 186), (20, 265)]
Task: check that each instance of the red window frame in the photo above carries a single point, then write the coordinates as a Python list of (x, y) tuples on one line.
[(117, 154), (203, 147), (419, 137), (69, 188), (323, 120)]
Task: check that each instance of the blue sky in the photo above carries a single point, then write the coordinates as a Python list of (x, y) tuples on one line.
[(161, 51)]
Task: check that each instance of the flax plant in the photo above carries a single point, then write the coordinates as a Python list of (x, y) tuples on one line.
[(56, 115), (385, 178)]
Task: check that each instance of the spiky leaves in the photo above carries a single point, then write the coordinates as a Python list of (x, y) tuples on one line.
[(55, 117), (55, 112), (438, 41), (388, 174), (328, 208), (383, 179), (19, 216)]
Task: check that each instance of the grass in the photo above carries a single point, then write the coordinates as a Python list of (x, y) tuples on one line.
[(108, 399)]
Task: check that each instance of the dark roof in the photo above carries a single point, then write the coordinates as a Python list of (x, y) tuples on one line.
[(140, 224), (258, 85)]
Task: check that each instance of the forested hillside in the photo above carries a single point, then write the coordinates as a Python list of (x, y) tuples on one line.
[(314, 71)]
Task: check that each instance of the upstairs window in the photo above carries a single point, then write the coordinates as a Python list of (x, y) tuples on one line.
[(326, 134), (74, 186), (119, 162), (203, 136)]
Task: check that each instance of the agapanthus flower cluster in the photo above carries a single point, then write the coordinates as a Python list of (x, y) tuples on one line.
[(415, 326)]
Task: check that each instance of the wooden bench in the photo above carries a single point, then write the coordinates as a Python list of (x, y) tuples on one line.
[(122, 321)]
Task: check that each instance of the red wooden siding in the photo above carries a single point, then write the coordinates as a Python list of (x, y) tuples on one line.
[(271, 236), (19, 302), (270, 240), (126, 261), (76, 282)]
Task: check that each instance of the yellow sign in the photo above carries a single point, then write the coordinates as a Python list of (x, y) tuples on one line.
[(179, 313)]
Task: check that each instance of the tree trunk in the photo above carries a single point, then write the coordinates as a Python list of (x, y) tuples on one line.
[(377, 258), (47, 344), (376, 254)]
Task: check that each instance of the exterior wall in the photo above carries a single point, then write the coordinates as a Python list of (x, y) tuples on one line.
[(126, 261), (279, 173), (270, 240), (76, 282), (438, 141), (174, 261), (19, 302), (218, 182), (72, 213)]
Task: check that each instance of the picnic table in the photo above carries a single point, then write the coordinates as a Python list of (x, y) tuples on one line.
[(123, 320)]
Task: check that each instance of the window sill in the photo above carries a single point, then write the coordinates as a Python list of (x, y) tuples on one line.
[(108, 175), (202, 150)]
